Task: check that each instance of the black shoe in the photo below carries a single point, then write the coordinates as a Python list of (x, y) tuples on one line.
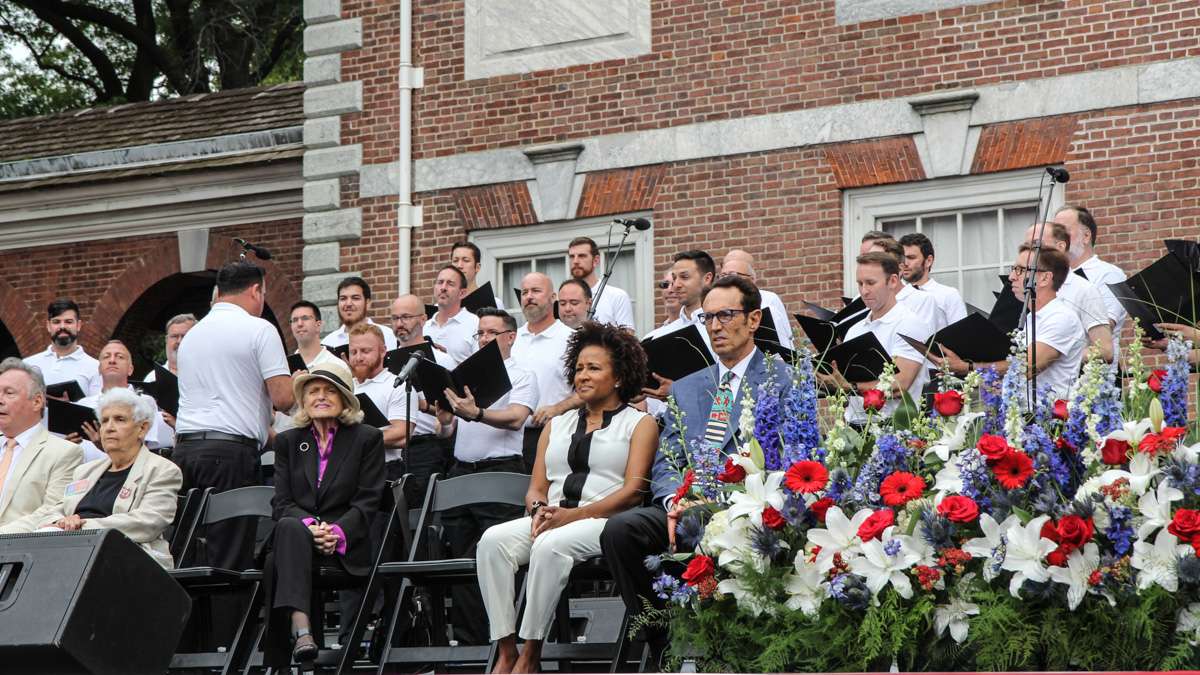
[(306, 649)]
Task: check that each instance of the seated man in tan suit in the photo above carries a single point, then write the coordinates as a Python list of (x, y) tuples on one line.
[(35, 467)]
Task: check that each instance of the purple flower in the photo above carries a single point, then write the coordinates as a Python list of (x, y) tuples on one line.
[(1175, 384)]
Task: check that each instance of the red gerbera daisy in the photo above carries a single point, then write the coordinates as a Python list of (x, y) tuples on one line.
[(806, 477), (900, 488), (1013, 470)]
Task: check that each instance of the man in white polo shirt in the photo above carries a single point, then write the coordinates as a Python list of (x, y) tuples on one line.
[(613, 305), (65, 359), (488, 440), (878, 276), (540, 347), (305, 324), (370, 378), (922, 305), (465, 256), (917, 270), (354, 297), (116, 366), (453, 327), (1077, 293), (232, 373), (1081, 227)]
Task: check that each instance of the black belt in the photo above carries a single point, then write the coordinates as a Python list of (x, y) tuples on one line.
[(424, 438), (485, 463), (215, 436)]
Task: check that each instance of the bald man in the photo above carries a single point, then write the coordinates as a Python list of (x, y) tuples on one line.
[(741, 263), (116, 367), (427, 452), (1078, 294), (540, 347)]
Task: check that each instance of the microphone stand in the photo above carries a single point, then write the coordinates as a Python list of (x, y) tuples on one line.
[(612, 264), (1029, 307)]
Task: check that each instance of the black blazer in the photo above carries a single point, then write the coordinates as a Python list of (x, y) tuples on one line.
[(350, 491)]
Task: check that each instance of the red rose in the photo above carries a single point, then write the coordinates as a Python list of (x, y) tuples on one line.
[(686, 486), (959, 509), (1155, 380), (1074, 531), (772, 518), (1185, 525), (733, 473), (873, 399), (1057, 557), (993, 447), (1013, 470), (874, 525), (806, 477), (821, 506), (1114, 452), (948, 403), (900, 488), (699, 570), (1060, 409)]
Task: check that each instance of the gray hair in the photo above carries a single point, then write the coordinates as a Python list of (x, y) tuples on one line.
[(37, 384), (181, 318), (141, 407)]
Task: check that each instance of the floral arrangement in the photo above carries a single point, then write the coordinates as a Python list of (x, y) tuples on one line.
[(982, 533)]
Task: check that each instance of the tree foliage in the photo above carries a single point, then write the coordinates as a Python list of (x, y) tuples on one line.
[(61, 54)]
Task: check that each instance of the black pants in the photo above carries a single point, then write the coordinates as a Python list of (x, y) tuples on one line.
[(349, 599), (464, 526), (222, 465), (288, 572), (529, 446), (627, 539), (424, 456)]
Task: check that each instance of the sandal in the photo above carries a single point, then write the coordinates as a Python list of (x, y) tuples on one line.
[(305, 650)]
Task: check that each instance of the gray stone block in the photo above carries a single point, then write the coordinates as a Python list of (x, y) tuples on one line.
[(333, 37), (325, 69), (342, 160), (320, 11), (322, 258), (322, 132), (322, 290), (333, 99), (322, 195), (337, 225)]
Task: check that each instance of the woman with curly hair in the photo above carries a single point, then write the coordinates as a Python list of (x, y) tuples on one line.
[(591, 463)]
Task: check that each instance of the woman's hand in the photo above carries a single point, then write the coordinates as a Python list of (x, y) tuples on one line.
[(463, 406), (550, 517), (70, 523), (324, 540)]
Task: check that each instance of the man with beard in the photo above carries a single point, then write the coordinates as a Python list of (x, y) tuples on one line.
[(64, 359), (691, 274), (917, 269), (540, 346), (465, 256), (116, 366), (613, 306), (453, 327), (353, 297), (428, 452), (370, 378), (574, 301), (1081, 227)]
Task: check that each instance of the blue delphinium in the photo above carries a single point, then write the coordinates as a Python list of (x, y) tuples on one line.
[(767, 421), (1106, 407), (1120, 531), (1175, 385), (667, 587), (1046, 457), (993, 401), (850, 590), (839, 485), (1076, 431), (707, 462), (976, 478), (801, 430)]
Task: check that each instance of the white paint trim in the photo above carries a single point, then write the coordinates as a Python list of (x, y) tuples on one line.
[(1066, 94), (862, 208)]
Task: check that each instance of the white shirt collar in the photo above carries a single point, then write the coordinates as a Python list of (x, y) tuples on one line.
[(457, 318), (23, 439), (76, 353), (551, 331), (891, 316), (382, 376), (683, 316), (225, 306), (738, 369)]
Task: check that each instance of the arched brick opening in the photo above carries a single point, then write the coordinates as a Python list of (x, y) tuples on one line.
[(26, 335), (281, 292), (125, 290)]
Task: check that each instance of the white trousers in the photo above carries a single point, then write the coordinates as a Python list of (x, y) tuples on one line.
[(506, 547)]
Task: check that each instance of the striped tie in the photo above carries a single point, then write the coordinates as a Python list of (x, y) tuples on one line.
[(718, 416)]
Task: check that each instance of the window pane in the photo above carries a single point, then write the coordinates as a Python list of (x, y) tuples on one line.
[(511, 273), (623, 273), (1016, 222), (978, 286), (553, 266), (980, 238), (899, 228), (943, 232)]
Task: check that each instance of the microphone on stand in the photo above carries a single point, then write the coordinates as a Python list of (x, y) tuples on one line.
[(407, 371), (1058, 175), (259, 251), (638, 223)]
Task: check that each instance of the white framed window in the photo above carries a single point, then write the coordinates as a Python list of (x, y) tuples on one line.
[(974, 222), (508, 254)]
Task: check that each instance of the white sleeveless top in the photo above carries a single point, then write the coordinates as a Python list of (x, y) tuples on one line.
[(584, 468)]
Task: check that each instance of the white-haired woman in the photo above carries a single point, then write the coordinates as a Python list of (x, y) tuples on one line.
[(328, 485), (131, 490)]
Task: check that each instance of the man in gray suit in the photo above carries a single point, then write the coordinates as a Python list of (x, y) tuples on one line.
[(709, 401), (35, 467)]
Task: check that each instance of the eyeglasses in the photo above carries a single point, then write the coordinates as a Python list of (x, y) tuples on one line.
[(492, 333), (724, 316), (664, 285), (407, 317)]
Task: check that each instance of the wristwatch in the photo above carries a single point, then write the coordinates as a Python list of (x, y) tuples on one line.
[(533, 508), (479, 416)]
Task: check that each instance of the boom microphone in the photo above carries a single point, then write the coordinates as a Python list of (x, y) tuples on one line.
[(639, 223), (259, 251), (1058, 175)]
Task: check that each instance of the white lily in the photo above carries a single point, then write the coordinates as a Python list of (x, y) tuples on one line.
[(747, 462), (992, 544), (1189, 454), (953, 440), (807, 588), (1130, 432), (1156, 508), (954, 616), (948, 480), (879, 568), (745, 599), (1188, 623), (731, 545), (1076, 575), (1025, 553), (1158, 563), (1141, 472), (762, 490), (840, 535)]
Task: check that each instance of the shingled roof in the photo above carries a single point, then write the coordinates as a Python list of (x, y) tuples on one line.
[(236, 111)]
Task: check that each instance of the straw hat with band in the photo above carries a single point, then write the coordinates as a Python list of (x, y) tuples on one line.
[(338, 375)]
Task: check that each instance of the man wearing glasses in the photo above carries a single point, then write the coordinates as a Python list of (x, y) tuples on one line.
[(488, 439)]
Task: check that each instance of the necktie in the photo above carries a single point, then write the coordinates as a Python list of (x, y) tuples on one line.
[(10, 449), (718, 416)]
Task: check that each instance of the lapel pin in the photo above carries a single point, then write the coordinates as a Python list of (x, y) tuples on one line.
[(304, 446), (125, 493)]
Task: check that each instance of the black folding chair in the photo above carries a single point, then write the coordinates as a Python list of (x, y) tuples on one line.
[(187, 514), (441, 496), (205, 581)]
